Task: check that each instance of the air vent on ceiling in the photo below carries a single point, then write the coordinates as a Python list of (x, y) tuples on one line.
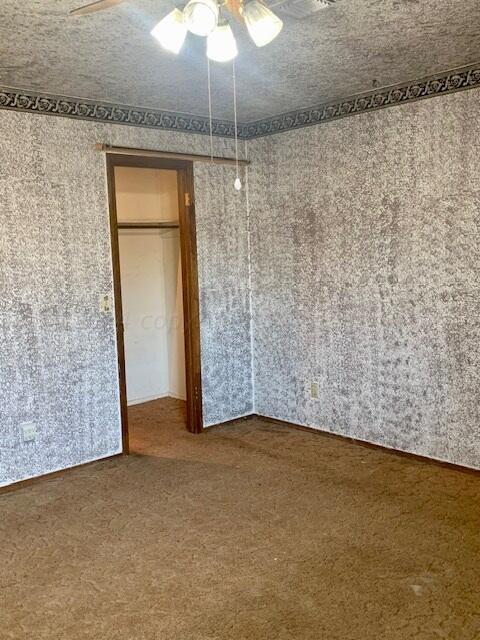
[(302, 8)]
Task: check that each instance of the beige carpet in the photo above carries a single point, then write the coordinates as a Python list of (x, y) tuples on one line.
[(248, 531)]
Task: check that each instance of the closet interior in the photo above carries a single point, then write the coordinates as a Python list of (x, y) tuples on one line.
[(151, 283)]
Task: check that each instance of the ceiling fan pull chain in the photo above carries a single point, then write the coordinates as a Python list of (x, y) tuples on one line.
[(238, 182), (210, 109)]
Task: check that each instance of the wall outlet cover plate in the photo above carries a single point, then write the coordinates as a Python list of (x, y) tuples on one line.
[(28, 431)]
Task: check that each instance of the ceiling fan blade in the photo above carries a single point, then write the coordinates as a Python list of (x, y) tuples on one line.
[(235, 8), (99, 5)]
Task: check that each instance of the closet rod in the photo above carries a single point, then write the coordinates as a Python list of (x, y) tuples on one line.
[(147, 225), (149, 153)]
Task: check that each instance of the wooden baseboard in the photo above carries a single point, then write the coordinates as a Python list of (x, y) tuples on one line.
[(248, 416), (372, 445), (21, 484)]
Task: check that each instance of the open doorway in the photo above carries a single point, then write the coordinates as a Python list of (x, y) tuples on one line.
[(156, 287)]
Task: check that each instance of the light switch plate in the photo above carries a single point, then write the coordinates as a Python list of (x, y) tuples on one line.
[(105, 303), (314, 390)]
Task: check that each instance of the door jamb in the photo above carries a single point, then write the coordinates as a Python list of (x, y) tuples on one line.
[(191, 305)]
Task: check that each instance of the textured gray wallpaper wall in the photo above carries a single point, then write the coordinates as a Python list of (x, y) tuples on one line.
[(366, 274), (57, 351), (225, 295), (365, 246)]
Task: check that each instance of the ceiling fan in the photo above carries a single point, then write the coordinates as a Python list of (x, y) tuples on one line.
[(208, 18), (92, 7)]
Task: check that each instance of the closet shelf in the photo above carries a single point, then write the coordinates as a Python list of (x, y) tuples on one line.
[(148, 225)]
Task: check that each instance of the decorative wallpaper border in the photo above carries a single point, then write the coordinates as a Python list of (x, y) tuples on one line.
[(439, 84), (119, 114)]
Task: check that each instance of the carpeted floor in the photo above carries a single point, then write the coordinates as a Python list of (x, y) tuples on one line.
[(248, 531)]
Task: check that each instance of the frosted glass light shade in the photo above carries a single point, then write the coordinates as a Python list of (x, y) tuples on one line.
[(201, 16), (221, 45), (171, 31), (262, 24)]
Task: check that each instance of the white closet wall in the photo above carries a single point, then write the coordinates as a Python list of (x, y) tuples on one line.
[(146, 195)]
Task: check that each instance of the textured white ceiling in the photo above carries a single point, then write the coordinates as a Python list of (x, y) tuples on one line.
[(339, 51)]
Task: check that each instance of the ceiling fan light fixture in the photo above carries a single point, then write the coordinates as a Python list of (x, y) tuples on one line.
[(221, 44), (262, 24), (201, 16), (171, 31)]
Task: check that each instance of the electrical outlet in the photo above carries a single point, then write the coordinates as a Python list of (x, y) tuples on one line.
[(314, 390), (29, 431), (105, 303)]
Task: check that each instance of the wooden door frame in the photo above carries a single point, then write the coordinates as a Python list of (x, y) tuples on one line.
[(191, 306)]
